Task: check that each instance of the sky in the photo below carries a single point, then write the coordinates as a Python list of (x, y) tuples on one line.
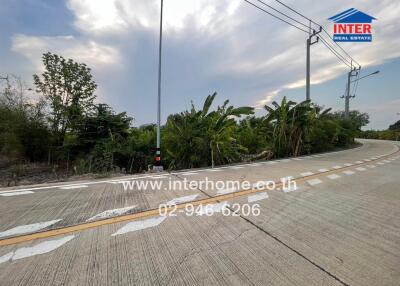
[(226, 46)]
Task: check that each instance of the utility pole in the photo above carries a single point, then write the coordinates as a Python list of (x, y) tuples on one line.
[(347, 96), (157, 164), (309, 43)]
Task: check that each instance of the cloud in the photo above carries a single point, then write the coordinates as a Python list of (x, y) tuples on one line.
[(87, 51)]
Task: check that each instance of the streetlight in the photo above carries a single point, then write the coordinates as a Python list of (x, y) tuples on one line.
[(347, 96), (157, 164)]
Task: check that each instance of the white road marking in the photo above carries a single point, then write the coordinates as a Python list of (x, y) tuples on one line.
[(213, 170), (348, 164), (74, 187), (257, 197), (236, 167), (306, 174), (284, 160), (317, 156), (41, 248), (22, 229), (290, 189), (333, 176), (371, 166), (367, 160), (386, 161), (361, 169), (139, 225), (374, 158), (111, 213), (348, 172), (184, 199), (358, 162), (187, 173), (6, 257), (11, 194), (336, 167), (297, 159), (323, 170), (314, 182), (226, 191), (380, 163)]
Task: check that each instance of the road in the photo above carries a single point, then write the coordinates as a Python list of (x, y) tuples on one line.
[(340, 226)]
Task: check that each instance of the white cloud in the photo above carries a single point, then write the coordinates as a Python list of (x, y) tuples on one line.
[(88, 51)]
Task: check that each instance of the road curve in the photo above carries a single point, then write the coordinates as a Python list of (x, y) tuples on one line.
[(340, 226)]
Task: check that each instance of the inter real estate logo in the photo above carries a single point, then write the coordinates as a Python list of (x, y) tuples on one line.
[(352, 25)]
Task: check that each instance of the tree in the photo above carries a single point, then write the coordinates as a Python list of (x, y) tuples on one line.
[(69, 88), (395, 126)]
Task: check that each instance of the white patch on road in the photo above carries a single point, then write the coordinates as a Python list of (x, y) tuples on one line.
[(6, 257), (367, 160), (226, 191), (371, 166), (380, 163), (236, 167), (348, 164), (297, 159), (358, 162), (187, 173), (386, 161), (111, 213), (22, 229), (181, 200), (284, 160), (139, 225), (213, 170), (333, 176), (305, 174), (257, 197), (314, 182), (41, 248), (348, 172), (336, 167), (73, 187), (361, 169), (11, 194), (323, 170)]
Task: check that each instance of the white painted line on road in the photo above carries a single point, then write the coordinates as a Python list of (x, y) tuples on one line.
[(314, 182), (317, 156), (74, 187), (386, 161), (187, 173), (305, 174), (371, 166), (333, 176), (184, 199), (380, 163), (374, 158), (6, 257), (11, 194), (297, 159), (226, 191), (323, 170), (290, 188), (139, 225), (236, 167), (272, 162), (284, 160), (257, 197), (348, 172), (358, 162), (213, 170), (41, 248), (361, 169), (336, 167), (348, 164), (111, 213), (22, 229), (367, 160)]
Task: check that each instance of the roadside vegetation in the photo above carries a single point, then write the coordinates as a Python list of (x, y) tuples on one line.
[(64, 131), (392, 133)]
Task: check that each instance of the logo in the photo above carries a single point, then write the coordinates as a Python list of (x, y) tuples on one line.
[(352, 26)]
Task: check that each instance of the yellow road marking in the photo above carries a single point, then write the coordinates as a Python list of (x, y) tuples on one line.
[(154, 212)]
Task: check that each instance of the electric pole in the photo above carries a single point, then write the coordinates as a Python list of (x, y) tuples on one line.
[(157, 164), (310, 41)]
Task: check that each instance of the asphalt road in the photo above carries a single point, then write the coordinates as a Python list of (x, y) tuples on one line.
[(341, 226)]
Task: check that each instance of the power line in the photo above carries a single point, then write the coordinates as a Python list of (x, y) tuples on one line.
[(291, 18), (338, 55), (277, 17)]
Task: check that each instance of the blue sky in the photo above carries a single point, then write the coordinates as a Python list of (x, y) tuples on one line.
[(225, 46)]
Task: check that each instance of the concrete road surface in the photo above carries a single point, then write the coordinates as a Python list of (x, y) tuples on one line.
[(340, 225)]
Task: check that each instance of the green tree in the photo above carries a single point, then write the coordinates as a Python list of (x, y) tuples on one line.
[(69, 88)]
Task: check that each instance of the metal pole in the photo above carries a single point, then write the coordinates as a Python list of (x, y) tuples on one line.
[(308, 69), (158, 150), (347, 96)]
